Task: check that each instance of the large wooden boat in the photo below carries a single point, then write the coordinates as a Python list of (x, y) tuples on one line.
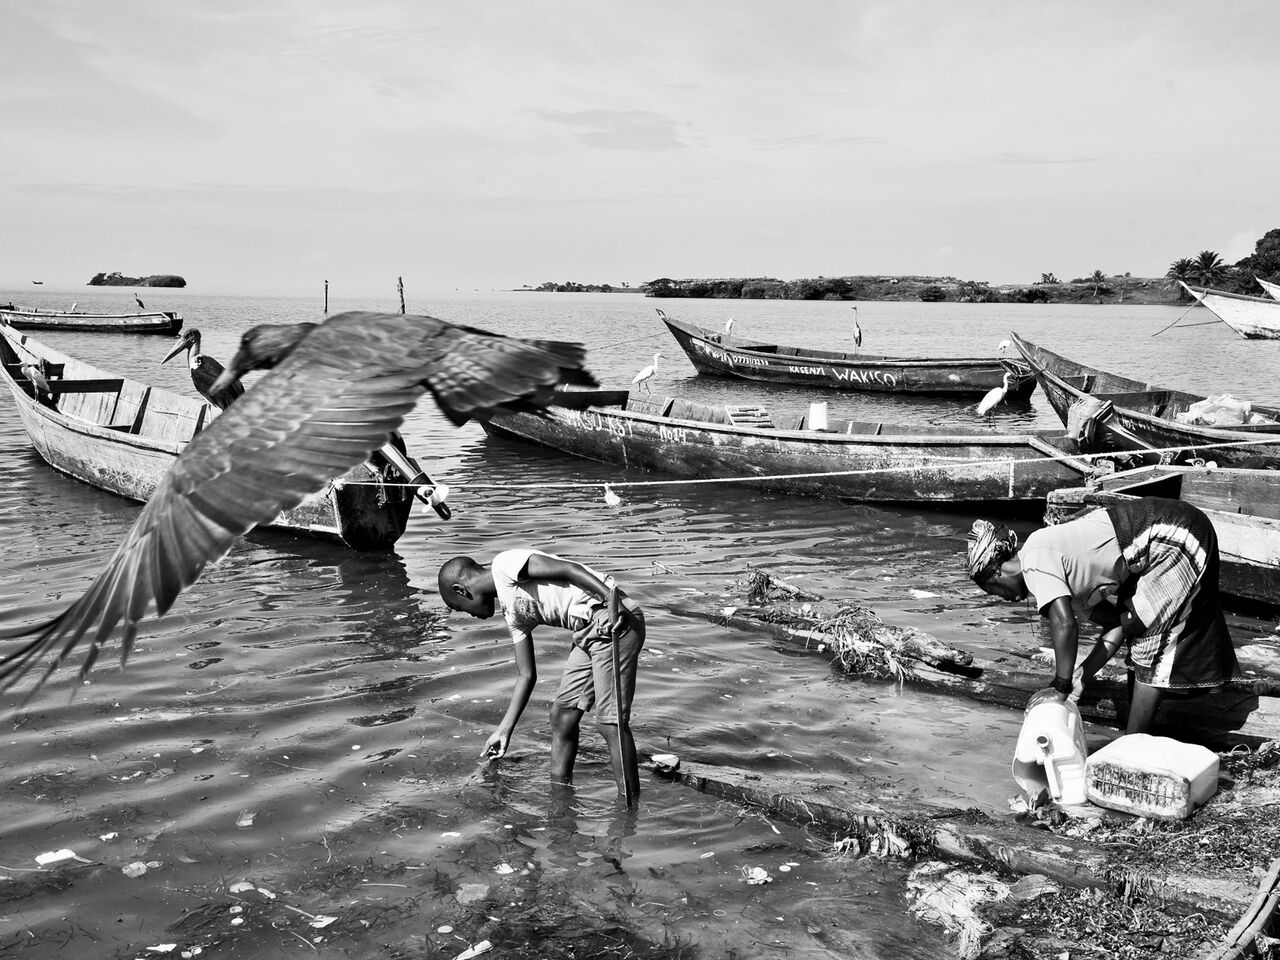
[(724, 355), (155, 321), (1272, 289), (840, 459), (1144, 416), (1244, 506), (1255, 318), (122, 436)]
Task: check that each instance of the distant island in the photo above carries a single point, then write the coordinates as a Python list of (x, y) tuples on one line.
[(1098, 289), (119, 280), (571, 286)]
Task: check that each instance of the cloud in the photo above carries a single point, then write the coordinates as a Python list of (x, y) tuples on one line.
[(618, 129)]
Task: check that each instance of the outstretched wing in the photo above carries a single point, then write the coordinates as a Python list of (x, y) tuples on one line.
[(336, 399)]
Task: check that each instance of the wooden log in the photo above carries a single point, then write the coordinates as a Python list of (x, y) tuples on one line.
[(1246, 712), (970, 836)]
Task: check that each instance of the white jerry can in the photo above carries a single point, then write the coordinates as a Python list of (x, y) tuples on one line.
[(1051, 754), (1152, 776)]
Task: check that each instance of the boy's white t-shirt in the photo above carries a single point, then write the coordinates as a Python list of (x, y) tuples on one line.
[(526, 605)]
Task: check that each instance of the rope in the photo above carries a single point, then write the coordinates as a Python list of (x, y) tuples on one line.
[(940, 462)]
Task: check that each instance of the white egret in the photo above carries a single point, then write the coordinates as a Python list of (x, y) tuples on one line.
[(728, 327), (857, 332), (645, 375), (1002, 347), (994, 396)]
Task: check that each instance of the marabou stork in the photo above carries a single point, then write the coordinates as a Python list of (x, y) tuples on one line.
[(334, 393), (205, 370), (139, 301)]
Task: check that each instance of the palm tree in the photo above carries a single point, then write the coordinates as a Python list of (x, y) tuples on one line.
[(1182, 269), (1208, 269), (1097, 278)]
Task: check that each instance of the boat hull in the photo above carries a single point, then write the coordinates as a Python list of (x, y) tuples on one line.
[(356, 509), (156, 322), (721, 355), (932, 469), (1254, 318), (1142, 416)]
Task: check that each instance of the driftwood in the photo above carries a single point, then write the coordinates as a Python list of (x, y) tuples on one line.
[(895, 827), (1244, 712), (1256, 921)]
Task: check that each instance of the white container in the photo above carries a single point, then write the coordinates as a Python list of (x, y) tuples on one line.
[(1050, 755), (817, 416), (1152, 776)]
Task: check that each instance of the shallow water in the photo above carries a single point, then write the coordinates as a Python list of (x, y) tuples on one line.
[(308, 720)]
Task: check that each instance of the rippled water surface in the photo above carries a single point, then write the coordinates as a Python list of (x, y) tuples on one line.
[(288, 766)]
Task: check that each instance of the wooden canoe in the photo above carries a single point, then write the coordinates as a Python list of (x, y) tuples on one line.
[(122, 436), (1272, 289), (723, 355), (155, 321), (870, 462), (1254, 318), (1244, 506), (1144, 415)]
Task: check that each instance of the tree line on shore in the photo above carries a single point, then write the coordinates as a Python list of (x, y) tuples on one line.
[(1207, 269)]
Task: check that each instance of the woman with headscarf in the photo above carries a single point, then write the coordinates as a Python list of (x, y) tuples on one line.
[(1147, 572)]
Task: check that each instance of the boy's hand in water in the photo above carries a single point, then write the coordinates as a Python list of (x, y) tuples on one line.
[(496, 745)]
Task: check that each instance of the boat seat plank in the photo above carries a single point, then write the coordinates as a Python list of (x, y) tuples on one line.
[(102, 385), (748, 416)]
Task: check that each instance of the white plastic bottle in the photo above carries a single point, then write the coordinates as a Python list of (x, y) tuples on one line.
[(1051, 753)]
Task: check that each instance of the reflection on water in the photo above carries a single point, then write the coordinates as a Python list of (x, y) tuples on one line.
[(298, 740)]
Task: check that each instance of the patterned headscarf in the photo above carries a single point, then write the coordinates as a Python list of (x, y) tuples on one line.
[(989, 547)]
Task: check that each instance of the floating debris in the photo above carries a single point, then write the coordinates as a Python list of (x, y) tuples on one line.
[(756, 875), (58, 856), (504, 869), (319, 921), (245, 819), (108, 836), (665, 762), (135, 869), (484, 946), (240, 887)]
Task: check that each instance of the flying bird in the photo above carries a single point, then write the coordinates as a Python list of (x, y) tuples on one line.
[(205, 370), (994, 396), (645, 375), (140, 303), (335, 392)]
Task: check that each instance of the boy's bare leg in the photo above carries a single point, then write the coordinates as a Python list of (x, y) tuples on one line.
[(565, 725)]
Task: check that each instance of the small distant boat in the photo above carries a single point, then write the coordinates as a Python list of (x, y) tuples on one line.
[(802, 455), (724, 355), (155, 321), (38, 283), (122, 436), (1273, 289), (1254, 318), (1244, 506), (1117, 413)]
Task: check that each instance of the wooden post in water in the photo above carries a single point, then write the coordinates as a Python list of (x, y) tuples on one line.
[(400, 287), (326, 296)]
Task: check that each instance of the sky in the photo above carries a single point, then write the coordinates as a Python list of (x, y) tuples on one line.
[(263, 146)]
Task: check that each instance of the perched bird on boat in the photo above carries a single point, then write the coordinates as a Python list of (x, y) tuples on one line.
[(205, 370), (139, 300), (38, 381), (1002, 347), (73, 307), (645, 375), (335, 392), (994, 396), (728, 326), (857, 332)]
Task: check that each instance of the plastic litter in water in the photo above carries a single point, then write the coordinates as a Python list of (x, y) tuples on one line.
[(240, 887), (58, 856), (135, 869), (163, 948), (320, 921), (504, 869), (108, 836), (482, 947), (245, 819), (756, 875), (445, 928)]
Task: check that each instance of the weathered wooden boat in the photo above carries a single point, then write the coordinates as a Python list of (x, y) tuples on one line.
[(122, 436), (1272, 289), (842, 459), (1111, 412), (1244, 506), (1255, 318), (155, 321), (724, 355)]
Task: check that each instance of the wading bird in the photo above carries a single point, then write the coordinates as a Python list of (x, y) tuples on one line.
[(139, 300), (645, 375), (38, 382), (994, 396), (335, 392), (205, 370)]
